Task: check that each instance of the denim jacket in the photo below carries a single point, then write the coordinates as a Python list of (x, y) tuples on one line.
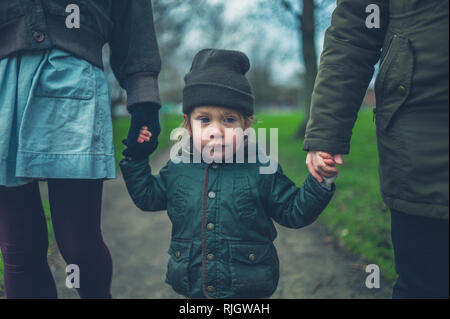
[(222, 222), (126, 25)]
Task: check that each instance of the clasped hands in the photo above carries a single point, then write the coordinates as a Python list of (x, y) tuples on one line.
[(322, 164), (142, 138)]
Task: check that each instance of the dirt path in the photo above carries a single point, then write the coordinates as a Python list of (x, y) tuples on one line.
[(311, 264)]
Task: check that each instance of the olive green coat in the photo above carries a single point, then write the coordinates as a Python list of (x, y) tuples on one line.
[(222, 222), (411, 97)]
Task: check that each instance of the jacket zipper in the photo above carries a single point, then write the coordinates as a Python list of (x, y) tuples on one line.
[(383, 59), (387, 52), (205, 188)]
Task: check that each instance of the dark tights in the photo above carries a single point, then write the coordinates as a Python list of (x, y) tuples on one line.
[(76, 210)]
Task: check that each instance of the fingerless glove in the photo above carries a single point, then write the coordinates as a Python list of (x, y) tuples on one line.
[(142, 114)]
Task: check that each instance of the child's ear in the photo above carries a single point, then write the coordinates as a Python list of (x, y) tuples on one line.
[(187, 124), (248, 122)]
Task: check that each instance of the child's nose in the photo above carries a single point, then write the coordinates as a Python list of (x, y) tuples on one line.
[(215, 130)]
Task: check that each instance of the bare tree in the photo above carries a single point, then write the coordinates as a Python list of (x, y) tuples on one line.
[(301, 15), (306, 29), (176, 23)]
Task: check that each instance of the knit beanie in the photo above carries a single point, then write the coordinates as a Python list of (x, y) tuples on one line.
[(217, 78)]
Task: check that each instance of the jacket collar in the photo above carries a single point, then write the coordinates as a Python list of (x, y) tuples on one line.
[(248, 158)]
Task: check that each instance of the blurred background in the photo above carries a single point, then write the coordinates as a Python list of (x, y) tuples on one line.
[(283, 39)]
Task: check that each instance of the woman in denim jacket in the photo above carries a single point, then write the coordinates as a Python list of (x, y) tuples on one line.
[(55, 125)]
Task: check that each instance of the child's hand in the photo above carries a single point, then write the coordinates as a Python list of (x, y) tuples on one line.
[(330, 162), (144, 135), (144, 119), (138, 150), (327, 159), (322, 164)]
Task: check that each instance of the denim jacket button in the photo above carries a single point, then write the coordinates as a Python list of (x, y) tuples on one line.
[(39, 36), (210, 257), (210, 288), (177, 254), (210, 226), (252, 257), (212, 195)]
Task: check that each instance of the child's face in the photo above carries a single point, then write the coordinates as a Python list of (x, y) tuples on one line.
[(208, 126)]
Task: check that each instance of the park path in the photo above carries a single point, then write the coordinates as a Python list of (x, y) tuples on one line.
[(312, 265)]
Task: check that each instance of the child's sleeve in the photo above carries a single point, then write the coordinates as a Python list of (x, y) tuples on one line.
[(293, 206), (147, 191), (135, 58)]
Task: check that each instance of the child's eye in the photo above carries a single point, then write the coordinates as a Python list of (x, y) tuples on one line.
[(229, 119), (203, 119)]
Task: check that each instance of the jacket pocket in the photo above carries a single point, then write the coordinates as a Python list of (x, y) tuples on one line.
[(392, 88), (254, 269), (178, 267), (393, 82), (243, 199), (65, 76), (179, 200)]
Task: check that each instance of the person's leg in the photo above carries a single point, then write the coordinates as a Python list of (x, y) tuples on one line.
[(76, 213), (421, 249), (24, 243)]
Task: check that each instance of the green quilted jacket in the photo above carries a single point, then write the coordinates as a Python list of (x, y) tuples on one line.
[(222, 222)]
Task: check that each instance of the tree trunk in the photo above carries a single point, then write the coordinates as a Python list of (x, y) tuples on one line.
[(307, 31)]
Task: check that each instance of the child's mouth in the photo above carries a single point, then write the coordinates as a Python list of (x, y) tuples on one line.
[(219, 145)]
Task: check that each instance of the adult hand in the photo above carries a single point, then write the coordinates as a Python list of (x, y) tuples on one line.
[(142, 115), (322, 164)]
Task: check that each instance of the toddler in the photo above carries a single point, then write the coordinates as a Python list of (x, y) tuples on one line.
[(222, 213)]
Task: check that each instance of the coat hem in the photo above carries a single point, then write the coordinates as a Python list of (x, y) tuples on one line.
[(70, 166), (417, 209)]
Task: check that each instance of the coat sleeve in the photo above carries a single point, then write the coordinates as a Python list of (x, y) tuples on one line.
[(147, 191), (135, 58), (293, 206), (350, 51)]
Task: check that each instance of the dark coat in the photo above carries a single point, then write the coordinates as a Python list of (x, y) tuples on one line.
[(412, 99)]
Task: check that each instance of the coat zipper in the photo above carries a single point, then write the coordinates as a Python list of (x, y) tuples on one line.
[(383, 59), (205, 188), (387, 52)]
